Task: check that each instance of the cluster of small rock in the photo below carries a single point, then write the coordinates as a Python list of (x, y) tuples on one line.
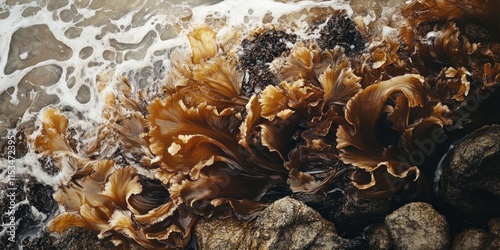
[(290, 224)]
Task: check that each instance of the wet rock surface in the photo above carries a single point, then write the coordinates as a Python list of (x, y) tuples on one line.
[(285, 224), (494, 226), (32, 45), (418, 226), (378, 237), (349, 214), (476, 238), (470, 178)]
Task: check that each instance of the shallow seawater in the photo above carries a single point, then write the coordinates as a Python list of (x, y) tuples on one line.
[(52, 52)]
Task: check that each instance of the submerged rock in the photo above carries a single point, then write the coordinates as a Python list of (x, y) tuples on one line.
[(418, 226), (285, 224), (470, 178)]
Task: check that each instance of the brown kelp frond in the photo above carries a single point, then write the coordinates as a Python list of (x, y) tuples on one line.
[(204, 157), (176, 129), (424, 11), (67, 220), (387, 54), (446, 46), (284, 100), (359, 134), (126, 130), (220, 75), (452, 83), (210, 75), (112, 203), (383, 62), (203, 44), (229, 129), (358, 142), (54, 140), (491, 74), (53, 133), (218, 182), (122, 184), (305, 62), (339, 83), (257, 131)]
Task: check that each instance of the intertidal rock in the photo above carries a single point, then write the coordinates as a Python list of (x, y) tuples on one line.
[(476, 238), (285, 224), (470, 178), (418, 226), (378, 237), (494, 226)]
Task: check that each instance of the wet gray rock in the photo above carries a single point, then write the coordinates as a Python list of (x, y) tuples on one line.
[(476, 238), (494, 226), (34, 44), (285, 224), (418, 226), (470, 177), (378, 237)]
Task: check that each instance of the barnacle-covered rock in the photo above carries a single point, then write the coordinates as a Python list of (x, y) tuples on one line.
[(340, 30), (258, 51)]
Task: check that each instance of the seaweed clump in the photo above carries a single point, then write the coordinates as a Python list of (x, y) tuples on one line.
[(258, 51), (341, 31), (216, 145)]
